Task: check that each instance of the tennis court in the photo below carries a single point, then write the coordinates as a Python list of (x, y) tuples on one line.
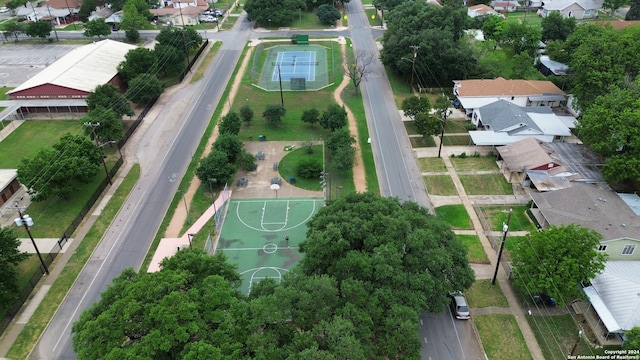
[(262, 236), (295, 64)]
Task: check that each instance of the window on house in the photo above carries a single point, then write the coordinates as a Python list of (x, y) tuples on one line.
[(628, 249), (602, 248)]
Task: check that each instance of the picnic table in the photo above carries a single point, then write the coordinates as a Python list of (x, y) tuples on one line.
[(276, 180), (260, 155), (242, 182)]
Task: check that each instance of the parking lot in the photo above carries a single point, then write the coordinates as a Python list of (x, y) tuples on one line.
[(19, 62)]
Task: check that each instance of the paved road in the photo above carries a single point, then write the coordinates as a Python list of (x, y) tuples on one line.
[(169, 142)]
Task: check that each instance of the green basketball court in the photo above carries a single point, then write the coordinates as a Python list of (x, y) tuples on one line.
[(254, 233)]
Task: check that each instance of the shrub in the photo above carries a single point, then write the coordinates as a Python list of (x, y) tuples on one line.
[(309, 168)]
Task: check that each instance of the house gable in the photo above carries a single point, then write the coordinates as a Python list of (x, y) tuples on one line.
[(626, 249)]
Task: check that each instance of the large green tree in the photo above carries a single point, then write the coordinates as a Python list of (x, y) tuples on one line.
[(273, 12), (133, 18), (41, 29), (555, 261), (633, 339), (433, 32), (229, 144), (611, 127), (230, 123), (342, 152), (86, 8), (191, 305), (521, 37), (414, 105), (614, 5), (97, 27), (216, 165), (333, 118), (14, 29), (391, 260), (10, 257), (274, 114), (58, 170), (138, 61), (143, 88), (327, 14), (634, 11), (108, 96), (110, 128), (557, 27)]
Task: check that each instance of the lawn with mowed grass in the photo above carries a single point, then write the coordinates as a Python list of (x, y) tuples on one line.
[(432, 164), (417, 142), (498, 215), (456, 126), (440, 185), (486, 184), (557, 335), (455, 215), (410, 127), (289, 165), (474, 163), (475, 251), (27, 139), (501, 337), (483, 294), (457, 140)]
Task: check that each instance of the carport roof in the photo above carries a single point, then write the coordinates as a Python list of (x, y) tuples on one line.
[(83, 68)]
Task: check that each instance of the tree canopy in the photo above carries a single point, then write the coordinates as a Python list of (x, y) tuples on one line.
[(274, 113), (143, 88), (334, 117), (634, 11), (10, 257), (96, 27), (108, 96), (555, 261), (138, 61), (273, 12), (327, 14), (611, 127), (440, 56), (110, 128), (41, 29), (557, 27), (58, 170), (216, 165), (230, 123)]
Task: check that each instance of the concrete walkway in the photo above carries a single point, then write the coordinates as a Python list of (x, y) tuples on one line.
[(486, 271)]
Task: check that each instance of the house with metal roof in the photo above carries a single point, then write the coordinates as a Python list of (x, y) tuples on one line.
[(548, 166), (473, 94), (77, 74), (503, 122)]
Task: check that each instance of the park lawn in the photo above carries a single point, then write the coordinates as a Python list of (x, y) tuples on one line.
[(432, 164), (474, 163), (455, 215), (373, 16), (3, 92), (483, 294), (457, 140), (33, 135), (475, 251), (289, 166), (421, 141), (456, 126), (486, 184), (501, 337), (530, 17), (497, 215), (440, 185)]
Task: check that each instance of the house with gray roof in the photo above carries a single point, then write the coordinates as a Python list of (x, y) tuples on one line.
[(579, 9), (503, 122)]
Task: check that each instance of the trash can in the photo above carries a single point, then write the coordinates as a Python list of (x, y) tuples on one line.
[(292, 180), (262, 138)]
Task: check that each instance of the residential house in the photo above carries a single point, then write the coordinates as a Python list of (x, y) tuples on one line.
[(480, 10), (503, 122), (505, 6), (579, 9), (548, 166), (473, 94), (57, 17), (180, 13)]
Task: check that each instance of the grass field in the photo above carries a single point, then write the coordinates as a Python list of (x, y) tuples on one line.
[(475, 251), (417, 142), (410, 128), (472, 163), (32, 136), (432, 164), (557, 335), (455, 215), (440, 185), (497, 215), (501, 337), (486, 184), (483, 294), (456, 126), (289, 165), (456, 140)]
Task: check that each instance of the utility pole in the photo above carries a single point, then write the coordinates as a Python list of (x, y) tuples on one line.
[(280, 80), (26, 220), (54, 27), (505, 230), (413, 63), (93, 127), (444, 123)]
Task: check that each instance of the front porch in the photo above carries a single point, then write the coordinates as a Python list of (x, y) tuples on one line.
[(598, 331)]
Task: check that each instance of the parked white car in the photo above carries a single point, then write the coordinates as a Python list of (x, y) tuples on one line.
[(208, 18), (4, 9)]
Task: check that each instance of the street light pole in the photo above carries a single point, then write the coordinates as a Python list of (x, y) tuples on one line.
[(27, 221), (413, 63), (505, 230), (185, 205), (444, 123)]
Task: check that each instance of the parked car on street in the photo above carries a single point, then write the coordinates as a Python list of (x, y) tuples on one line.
[(4, 9), (459, 306)]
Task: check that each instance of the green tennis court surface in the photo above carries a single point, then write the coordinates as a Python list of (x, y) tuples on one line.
[(254, 235)]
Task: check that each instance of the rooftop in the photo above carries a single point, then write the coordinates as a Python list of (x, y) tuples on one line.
[(503, 87)]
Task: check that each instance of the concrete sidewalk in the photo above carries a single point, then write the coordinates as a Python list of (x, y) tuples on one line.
[(486, 271)]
